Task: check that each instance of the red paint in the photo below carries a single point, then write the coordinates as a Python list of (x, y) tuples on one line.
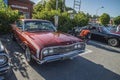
[(40, 40)]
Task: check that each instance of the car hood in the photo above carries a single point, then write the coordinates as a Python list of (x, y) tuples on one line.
[(47, 39)]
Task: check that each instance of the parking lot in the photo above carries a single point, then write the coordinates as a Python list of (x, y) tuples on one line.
[(99, 62)]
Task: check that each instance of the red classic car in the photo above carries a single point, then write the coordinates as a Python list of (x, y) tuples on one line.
[(43, 43)]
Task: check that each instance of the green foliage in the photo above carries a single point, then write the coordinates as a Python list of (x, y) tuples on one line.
[(81, 19), (116, 20), (47, 11), (65, 23), (51, 5), (7, 16), (104, 19), (88, 15), (46, 15), (39, 7)]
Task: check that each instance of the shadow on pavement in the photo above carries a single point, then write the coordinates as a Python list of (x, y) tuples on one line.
[(104, 46), (16, 55), (76, 69)]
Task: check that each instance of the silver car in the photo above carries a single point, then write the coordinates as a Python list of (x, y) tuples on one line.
[(4, 60)]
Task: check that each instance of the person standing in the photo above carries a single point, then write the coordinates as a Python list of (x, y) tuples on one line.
[(85, 35)]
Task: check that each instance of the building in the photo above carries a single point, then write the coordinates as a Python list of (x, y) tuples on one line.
[(25, 7)]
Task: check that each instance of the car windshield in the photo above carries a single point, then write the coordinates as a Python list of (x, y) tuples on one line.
[(104, 29), (39, 26)]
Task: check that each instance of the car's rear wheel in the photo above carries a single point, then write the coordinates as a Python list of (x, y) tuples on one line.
[(113, 42), (28, 55)]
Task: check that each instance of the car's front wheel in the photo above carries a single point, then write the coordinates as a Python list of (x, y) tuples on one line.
[(28, 55), (113, 42)]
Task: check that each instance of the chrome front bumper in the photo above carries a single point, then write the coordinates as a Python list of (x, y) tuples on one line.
[(52, 58)]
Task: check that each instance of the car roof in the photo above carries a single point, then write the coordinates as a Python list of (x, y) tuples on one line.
[(34, 20)]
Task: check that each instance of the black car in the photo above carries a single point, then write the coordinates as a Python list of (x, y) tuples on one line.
[(4, 60), (101, 33)]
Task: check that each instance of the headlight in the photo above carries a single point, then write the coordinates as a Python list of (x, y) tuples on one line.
[(45, 52), (79, 46), (75, 46), (48, 52), (3, 59)]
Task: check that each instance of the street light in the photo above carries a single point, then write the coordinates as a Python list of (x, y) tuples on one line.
[(99, 9), (97, 12)]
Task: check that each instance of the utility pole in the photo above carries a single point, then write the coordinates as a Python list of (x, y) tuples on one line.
[(98, 10), (97, 13), (56, 4), (64, 5), (77, 5), (56, 16)]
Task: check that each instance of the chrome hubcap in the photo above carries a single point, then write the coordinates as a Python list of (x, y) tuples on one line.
[(113, 42), (27, 54)]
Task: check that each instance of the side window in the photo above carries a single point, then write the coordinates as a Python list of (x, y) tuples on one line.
[(93, 29), (19, 24)]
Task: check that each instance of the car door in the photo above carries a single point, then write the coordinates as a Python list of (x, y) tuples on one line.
[(18, 32), (98, 35)]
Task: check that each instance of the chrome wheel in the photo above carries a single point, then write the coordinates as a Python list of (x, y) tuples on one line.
[(28, 54), (113, 42)]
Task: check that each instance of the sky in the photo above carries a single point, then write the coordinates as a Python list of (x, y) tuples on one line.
[(93, 7)]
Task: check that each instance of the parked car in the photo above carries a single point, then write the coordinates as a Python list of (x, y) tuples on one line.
[(43, 43), (113, 29), (101, 33), (4, 60), (76, 30)]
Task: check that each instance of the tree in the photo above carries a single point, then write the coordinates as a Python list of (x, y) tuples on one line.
[(88, 15), (7, 16), (81, 19), (51, 4), (95, 16), (104, 19), (116, 20), (39, 7), (65, 23)]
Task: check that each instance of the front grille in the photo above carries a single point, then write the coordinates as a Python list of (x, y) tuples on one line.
[(65, 49)]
